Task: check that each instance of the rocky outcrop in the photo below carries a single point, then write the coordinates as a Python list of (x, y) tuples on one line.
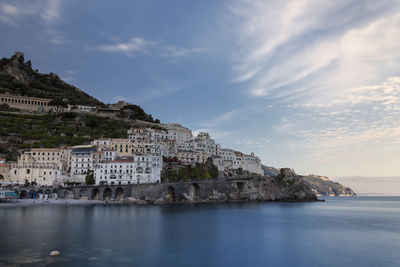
[(281, 188), (322, 186), (18, 78)]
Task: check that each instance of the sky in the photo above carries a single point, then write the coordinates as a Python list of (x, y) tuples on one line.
[(311, 85)]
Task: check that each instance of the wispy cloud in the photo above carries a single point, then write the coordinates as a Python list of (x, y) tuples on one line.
[(52, 11), (135, 44), (144, 95), (48, 13), (332, 66), (12, 11), (140, 45), (181, 52), (222, 118), (291, 45)]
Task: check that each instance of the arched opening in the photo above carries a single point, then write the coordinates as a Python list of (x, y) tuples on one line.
[(83, 194), (139, 170), (107, 194), (23, 194), (148, 170), (194, 191), (119, 193), (54, 193), (69, 194), (171, 193), (47, 193), (32, 194), (240, 186), (96, 194)]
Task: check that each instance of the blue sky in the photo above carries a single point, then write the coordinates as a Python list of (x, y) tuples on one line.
[(313, 85)]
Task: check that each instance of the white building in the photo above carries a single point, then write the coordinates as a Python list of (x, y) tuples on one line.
[(81, 162), (101, 144), (129, 170), (80, 108), (248, 163), (229, 159), (39, 165), (178, 133)]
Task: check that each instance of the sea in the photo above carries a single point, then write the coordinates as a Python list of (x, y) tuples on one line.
[(342, 231)]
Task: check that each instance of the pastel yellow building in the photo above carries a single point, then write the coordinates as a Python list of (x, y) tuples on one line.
[(122, 146)]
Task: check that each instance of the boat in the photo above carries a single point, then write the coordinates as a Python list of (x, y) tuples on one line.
[(8, 194)]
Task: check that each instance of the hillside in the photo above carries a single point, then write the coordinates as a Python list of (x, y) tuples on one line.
[(17, 77), (321, 185), (325, 187), (22, 131)]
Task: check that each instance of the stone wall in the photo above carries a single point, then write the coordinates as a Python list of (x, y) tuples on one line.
[(213, 190), (26, 103)]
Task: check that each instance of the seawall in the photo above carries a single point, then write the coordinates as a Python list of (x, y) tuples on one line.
[(213, 190)]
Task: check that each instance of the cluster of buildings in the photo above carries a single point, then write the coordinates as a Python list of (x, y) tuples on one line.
[(136, 159)]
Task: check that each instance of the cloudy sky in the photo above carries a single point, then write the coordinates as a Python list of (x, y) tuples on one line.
[(313, 85)]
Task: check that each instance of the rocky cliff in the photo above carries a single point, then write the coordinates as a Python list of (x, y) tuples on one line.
[(18, 77), (321, 185), (289, 187)]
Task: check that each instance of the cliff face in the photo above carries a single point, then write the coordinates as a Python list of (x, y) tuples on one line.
[(223, 190), (321, 185), (18, 77)]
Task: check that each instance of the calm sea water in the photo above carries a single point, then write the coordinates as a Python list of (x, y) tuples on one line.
[(338, 232)]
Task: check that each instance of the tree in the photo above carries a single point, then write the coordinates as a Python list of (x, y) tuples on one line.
[(58, 102), (89, 179)]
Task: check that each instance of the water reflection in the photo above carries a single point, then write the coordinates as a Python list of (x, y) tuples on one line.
[(233, 234)]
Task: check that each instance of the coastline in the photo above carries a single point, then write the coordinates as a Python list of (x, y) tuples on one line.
[(42, 202)]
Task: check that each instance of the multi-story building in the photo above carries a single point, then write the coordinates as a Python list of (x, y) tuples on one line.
[(141, 135), (101, 144), (129, 170), (229, 159), (81, 162), (122, 146), (39, 165), (178, 133), (157, 135), (248, 163), (109, 154)]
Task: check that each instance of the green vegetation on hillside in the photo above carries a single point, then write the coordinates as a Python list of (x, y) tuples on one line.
[(18, 77), (199, 172), (53, 130)]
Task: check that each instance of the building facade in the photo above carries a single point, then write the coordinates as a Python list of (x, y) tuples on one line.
[(26, 103), (81, 162), (129, 170)]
